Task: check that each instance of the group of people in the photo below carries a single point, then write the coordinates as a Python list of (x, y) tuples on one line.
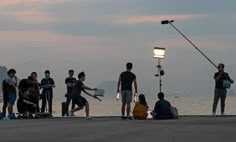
[(162, 109), (29, 95)]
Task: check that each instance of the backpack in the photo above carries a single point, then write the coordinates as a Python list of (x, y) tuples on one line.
[(174, 112)]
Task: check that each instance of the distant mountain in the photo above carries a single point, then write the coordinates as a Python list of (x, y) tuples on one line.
[(3, 75), (110, 87)]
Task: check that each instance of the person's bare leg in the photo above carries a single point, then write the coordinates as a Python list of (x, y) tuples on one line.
[(10, 108), (128, 109), (77, 109), (123, 109), (87, 109)]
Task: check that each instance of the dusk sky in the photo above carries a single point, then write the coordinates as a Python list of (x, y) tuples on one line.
[(101, 36)]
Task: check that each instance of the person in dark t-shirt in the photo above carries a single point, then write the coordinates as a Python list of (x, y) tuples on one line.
[(5, 97), (47, 84), (70, 83), (162, 108), (126, 80), (24, 104), (35, 96), (79, 100), (220, 91), (25, 88)]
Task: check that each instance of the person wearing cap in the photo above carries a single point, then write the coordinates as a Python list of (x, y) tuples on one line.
[(47, 84)]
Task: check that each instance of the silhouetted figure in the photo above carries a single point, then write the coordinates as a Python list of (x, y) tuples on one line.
[(141, 108), (220, 90), (47, 84), (35, 95), (25, 88), (70, 83), (126, 79), (5, 97), (11, 84), (79, 100), (162, 108)]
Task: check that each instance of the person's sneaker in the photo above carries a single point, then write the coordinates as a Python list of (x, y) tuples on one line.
[(130, 117), (222, 113), (71, 114), (123, 117), (213, 114), (89, 118)]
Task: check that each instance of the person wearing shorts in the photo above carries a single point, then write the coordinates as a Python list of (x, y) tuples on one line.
[(126, 79), (11, 90), (80, 101)]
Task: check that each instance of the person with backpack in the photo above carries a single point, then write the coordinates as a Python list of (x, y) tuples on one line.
[(162, 109), (140, 111), (222, 82)]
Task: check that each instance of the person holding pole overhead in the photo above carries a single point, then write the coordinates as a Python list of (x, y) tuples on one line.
[(47, 84), (220, 88), (126, 79)]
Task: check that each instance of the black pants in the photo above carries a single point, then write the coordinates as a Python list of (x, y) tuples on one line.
[(23, 107), (47, 97), (68, 100), (5, 104), (35, 99)]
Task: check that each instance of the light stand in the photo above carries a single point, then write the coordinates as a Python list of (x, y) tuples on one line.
[(159, 53)]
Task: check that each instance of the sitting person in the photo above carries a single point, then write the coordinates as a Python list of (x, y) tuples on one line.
[(162, 108), (24, 105), (140, 108)]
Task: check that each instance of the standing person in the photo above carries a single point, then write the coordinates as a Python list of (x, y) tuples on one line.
[(5, 97), (70, 83), (126, 79), (162, 108), (11, 83), (141, 108), (35, 94), (80, 101), (47, 84), (220, 91)]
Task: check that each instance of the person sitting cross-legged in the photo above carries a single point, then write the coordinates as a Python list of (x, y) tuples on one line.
[(162, 108)]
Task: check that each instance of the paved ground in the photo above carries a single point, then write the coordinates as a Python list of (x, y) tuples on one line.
[(186, 129)]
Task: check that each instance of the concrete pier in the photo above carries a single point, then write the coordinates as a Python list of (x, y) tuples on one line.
[(113, 129)]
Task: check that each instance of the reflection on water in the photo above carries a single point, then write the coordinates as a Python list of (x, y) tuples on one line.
[(186, 105)]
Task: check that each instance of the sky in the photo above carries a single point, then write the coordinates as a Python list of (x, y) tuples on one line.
[(101, 36)]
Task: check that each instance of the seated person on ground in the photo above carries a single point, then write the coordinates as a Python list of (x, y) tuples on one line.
[(24, 104), (162, 108), (140, 108)]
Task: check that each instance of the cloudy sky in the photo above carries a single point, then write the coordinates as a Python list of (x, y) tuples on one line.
[(100, 36)]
